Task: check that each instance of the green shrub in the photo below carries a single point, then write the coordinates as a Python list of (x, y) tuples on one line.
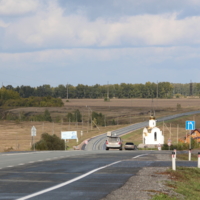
[(50, 142)]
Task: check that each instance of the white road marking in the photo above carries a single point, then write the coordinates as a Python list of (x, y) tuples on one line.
[(21, 164), (70, 181), (10, 166), (66, 183), (140, 155)]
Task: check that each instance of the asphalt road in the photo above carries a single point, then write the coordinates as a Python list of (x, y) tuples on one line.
[(72, 174), (98, 142)]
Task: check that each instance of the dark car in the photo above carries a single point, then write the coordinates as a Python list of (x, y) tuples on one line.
[(129, 146)]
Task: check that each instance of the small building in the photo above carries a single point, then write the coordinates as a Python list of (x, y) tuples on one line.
[(195, 134), (152, 135)]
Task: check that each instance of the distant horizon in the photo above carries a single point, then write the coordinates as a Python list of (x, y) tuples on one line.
[(97, 84)]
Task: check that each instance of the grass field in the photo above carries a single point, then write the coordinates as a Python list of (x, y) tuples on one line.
[(184, 181), (16, 134)]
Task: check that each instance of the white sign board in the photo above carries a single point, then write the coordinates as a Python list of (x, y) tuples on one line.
[(67, 135), (33, 131)]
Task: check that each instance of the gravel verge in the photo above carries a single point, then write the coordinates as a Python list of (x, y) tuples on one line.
[(148, 182)]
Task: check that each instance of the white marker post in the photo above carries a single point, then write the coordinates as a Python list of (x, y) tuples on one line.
[(173, 161), (198, 160), (33, 134), (189, 157), (175, 153)]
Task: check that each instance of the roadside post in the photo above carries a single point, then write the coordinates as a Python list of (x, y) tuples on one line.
[(33, 134), (173, 161), (159, 147), (198, 160), (169, 143), (189, 157), (175, 153)]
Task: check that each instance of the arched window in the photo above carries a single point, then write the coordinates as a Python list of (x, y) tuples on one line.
[(155, 136)]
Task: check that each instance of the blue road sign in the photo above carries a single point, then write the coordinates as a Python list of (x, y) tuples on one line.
[(190, 125)]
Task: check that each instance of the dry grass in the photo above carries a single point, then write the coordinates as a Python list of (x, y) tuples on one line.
[(17, 136), (123, 111)]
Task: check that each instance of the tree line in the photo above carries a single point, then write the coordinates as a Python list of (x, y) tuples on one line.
[(123, 90), (9, 97)]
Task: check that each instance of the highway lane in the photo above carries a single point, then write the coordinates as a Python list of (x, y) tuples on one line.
[(13, 159), (85, 176), (98, 142), (112, 170)]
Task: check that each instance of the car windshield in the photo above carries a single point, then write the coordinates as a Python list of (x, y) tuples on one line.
[(129, 143), (113, 139)]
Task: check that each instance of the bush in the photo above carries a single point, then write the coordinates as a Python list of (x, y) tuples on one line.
[(50, 142), (181, 146)]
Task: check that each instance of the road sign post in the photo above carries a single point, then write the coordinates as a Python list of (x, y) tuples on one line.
[(190, 125)]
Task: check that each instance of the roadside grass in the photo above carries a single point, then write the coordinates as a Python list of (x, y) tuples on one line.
[(163, 197), (135, 137), (185, 181), (185, 156)]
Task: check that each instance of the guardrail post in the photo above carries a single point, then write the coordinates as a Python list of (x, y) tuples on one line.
[(173, 161), (189, 156), (198, 160)]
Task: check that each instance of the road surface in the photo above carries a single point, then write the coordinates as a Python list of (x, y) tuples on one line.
[(71, 174)]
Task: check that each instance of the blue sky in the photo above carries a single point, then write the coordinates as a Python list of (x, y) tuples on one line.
[(85, 41)]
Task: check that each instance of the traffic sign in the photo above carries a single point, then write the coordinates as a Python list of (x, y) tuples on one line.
[(33, 131), (169, 144), (190, 125)]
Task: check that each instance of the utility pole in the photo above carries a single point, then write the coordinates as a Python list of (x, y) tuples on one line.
[(108, 90), (163, 128), (157, 90), (67, 91), (177, 132)]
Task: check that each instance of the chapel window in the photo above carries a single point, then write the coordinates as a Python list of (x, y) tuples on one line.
[(155, 136)]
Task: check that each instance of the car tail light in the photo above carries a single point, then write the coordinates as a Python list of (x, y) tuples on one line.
[(119, 143), (106, 142)]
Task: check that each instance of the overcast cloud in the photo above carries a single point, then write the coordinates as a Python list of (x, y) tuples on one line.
[(88, 42)]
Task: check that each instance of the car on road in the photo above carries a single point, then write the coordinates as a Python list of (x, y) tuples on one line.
[(129, 146), (114, 143)]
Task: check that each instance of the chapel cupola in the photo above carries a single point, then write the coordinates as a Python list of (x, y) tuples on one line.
[(152, 122)]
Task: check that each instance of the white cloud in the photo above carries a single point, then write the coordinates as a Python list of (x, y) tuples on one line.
[(3, 24), (17, 7), (49, 28)]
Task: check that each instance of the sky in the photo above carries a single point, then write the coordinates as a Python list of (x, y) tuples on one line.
[(98, 42)]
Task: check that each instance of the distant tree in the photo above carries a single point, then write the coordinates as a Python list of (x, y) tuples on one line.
[(47, 116)]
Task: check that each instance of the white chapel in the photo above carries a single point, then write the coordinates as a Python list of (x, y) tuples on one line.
[(152, 135)]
